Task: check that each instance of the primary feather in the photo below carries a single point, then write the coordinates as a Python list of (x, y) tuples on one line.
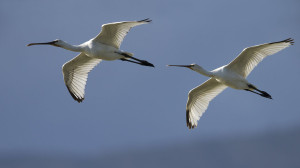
[(113, 33), (75, 74), (249, 58)]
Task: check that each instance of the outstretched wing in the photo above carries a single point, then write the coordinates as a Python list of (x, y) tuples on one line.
[(251, 56), (113, 33), (75, 74), (199, 99)]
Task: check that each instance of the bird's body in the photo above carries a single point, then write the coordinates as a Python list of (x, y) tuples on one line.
[(105, 46), (101, 51), (231, 75), (230, 78)]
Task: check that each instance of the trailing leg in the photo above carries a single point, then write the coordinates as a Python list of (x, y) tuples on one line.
[(261, 93), (265, 94), (123, 59), (141, 62)]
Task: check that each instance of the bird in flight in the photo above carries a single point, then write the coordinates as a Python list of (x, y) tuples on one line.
[(105, 46), (231, 75)]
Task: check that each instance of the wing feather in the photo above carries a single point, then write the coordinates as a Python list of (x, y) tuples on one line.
[(75, 74), (199, 98), (251, 56), (113, 33)]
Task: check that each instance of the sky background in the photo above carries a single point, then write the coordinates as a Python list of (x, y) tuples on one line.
[(128, 106)]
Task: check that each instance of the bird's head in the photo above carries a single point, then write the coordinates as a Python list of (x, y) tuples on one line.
[(56, 43), (191, 66)]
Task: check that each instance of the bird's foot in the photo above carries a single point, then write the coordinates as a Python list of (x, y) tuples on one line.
[(265, 94), (146, 63)]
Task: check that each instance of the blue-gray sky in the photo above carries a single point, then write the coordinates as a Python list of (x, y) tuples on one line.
[(131, 106)]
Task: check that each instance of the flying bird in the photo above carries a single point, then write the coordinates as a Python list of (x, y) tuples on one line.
[(105, 46), (231, 75)]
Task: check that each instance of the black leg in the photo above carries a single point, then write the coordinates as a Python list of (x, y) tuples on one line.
[(141, 62), (252, 91), (262, 93), (123, 59)]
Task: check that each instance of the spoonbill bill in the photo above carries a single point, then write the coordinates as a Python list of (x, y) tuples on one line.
[(105, 46), (231, 75)]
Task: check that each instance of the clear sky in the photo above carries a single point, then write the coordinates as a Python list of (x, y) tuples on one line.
[(130, 106)]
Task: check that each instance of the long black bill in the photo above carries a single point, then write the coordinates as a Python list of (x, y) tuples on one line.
[(187, 66), (47, 43)]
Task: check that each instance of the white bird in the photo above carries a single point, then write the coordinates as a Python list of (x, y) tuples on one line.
[(105, 46), (231, 75)]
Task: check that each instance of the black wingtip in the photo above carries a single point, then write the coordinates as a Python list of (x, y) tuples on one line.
[(79, 100), (289, 40), (145, 20), (188, 123)]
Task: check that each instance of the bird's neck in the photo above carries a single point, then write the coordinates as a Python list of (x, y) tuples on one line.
[(75, 48), (204, 72)]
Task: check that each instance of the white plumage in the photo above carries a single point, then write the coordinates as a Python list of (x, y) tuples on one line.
[(75, 74), (251, 56), (112, 34), (232, 75), (105, 46), (199, 98)]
